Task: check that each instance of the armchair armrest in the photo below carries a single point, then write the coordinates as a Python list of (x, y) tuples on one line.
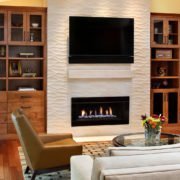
[(81, 167), (57, 155), (47, 138)]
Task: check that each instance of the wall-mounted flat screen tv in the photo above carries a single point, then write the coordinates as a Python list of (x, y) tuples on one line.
[(101, 40)]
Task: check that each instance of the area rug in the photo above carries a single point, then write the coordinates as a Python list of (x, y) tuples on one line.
[(94, 149)]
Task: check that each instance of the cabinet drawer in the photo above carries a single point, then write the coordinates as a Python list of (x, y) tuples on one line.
[(3, 117), (3, 97), (38, 124), (26, 96), (32, 116), (3, 107), (27, 107), (3, 128)]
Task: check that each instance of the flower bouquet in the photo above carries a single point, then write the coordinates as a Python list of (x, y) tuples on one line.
[(152, 125)]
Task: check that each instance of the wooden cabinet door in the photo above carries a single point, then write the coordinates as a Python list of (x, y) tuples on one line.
[(157, 100), (17, 27), (36, 27), (164, 30), (172, 31), (172, 107), (158, 27), (3, 26)]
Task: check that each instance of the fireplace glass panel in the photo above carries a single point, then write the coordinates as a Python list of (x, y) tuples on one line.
[(100, 111)]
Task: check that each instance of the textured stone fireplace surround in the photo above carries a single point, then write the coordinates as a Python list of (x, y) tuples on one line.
[(66, 81)]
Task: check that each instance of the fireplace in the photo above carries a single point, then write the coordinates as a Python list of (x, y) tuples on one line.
[(86, 111)]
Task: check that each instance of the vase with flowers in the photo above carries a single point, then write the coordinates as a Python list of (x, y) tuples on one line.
[(152, 125)]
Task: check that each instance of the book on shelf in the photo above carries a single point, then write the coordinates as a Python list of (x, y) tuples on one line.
[(26, 89)]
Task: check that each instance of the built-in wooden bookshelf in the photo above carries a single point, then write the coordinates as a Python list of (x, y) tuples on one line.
[(165, 75), (22, 65)]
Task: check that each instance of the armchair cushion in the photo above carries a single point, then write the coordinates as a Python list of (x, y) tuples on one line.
[(57, 155), (67, 141), (47, 138)]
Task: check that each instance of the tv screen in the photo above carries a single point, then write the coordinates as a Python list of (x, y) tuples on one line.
[(101, 40)]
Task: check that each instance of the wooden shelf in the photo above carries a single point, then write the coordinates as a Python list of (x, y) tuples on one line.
[(165, 77), (27, 43), (36, 28), (2, 78), (173, 34), (164, 90), (26, 78), (161, 60), (14, 27), (165, 46), (2, 58), (26, 58)]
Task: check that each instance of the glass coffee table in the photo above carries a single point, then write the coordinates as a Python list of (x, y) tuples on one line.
[(138, 139)]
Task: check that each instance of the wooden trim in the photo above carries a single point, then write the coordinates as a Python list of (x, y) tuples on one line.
[(24, 8)]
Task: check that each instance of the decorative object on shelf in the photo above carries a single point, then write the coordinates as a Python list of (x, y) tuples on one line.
[(152, 125), (164, 53), (170, 41), (31, 37), (2, 51), (156, 85), (155, 30), (29, 74), (165, 83), (26, 54), (35, 25), (26, 89), (162, 71), (15, 68)]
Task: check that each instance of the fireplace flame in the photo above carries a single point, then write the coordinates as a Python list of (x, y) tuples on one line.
[(90, 112), (110, 111), (97, 113), (101, 111), (107, 112), (83, 113)]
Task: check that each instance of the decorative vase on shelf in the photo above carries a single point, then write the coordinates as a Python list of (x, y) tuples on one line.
[(152, 125)]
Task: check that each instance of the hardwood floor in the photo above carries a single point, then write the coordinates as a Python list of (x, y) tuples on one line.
[(10, 167)]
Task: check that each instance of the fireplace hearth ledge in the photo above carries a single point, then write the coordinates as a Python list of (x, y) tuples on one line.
[(85, 74)]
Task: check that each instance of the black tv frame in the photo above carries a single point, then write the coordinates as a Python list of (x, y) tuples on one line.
[(100, 59)]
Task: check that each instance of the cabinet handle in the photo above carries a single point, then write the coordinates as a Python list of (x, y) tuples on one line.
[(25, 97), (26, 107)]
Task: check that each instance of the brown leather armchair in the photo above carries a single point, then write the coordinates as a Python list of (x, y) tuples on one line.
[(44, 153)]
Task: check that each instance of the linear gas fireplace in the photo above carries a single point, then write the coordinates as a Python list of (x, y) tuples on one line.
[(99, 111)]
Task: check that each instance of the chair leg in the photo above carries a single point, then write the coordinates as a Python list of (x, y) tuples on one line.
[(34, 175), (27, 170)]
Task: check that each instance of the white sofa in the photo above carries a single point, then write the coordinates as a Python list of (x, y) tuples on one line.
[(130, 163)]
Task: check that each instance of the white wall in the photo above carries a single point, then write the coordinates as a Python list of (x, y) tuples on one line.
[(61, 87)]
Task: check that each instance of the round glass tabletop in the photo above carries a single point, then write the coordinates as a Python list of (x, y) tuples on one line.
[(138, 139)]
